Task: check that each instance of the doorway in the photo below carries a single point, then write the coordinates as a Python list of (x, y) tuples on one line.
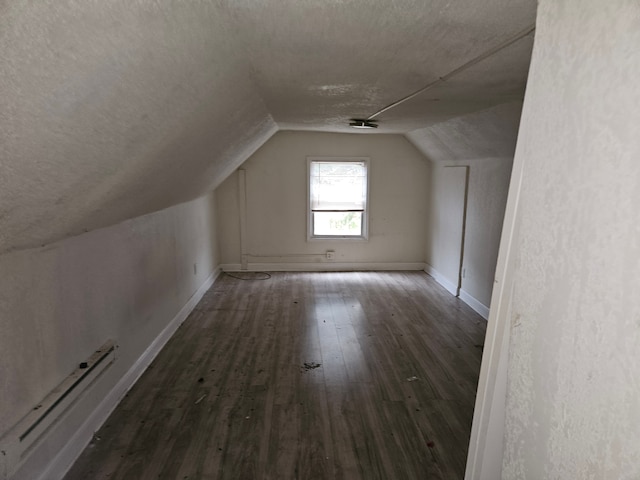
[(449, 211)]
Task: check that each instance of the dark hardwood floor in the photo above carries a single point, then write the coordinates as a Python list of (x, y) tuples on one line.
[(303, 376)]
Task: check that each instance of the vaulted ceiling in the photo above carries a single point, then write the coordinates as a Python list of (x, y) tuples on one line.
[(113, 109)]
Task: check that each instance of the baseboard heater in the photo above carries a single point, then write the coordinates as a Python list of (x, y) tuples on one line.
[(16, 445)]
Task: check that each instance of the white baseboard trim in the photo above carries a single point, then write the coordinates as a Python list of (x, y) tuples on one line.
[(68, 454), (442, 280), (476, 304), (323, 267)]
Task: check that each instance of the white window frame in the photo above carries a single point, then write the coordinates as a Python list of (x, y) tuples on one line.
[(365, 215)]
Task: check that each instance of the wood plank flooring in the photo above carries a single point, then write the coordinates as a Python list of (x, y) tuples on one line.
[(357, 375)]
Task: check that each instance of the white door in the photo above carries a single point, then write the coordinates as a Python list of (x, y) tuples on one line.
[(449, 212)]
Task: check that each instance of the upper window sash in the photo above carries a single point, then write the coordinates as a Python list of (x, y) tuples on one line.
[(338, 185)]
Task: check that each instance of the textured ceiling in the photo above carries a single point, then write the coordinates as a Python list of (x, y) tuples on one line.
[(318, 64), (113, 109), (491, 133)]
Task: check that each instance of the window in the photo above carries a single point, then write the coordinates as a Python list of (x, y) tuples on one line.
[(338, 198)]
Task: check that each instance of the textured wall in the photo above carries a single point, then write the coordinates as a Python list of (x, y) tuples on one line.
[(59, 303), (111, 110), (276, 201), (574, 376)]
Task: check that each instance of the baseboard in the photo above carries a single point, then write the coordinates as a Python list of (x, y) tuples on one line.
[(476, 304), (68, 454), (324, 266), (442, 280)]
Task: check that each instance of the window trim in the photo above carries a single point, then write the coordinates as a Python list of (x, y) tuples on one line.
[(365, 215)]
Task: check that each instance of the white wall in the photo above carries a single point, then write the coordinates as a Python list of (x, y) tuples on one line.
[(112, 110), (573, 392), (60, 303), (446, 225), (486, 200), (485, 143), (276, 186)]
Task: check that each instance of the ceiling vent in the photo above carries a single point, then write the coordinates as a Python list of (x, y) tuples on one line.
[(360, 123)]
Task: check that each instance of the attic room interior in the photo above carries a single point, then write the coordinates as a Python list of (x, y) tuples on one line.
[(170, 303)]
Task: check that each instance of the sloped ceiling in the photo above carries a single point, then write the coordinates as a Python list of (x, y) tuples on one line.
[(490, 133), (113, 109)]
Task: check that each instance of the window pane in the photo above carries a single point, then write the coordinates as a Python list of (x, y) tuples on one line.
[(337, 223), (338, 185)]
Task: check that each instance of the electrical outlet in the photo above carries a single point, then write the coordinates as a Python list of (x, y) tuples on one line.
[(331, 254)]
